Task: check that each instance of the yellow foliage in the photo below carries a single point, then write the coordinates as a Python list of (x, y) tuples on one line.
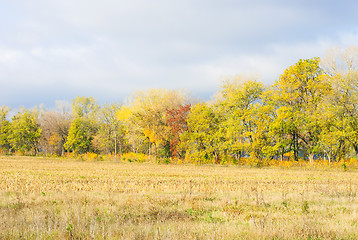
[(90, 156), (54, 139), (124, 113), (135, 157)]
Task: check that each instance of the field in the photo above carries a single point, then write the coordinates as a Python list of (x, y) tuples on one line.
[(57, 199)]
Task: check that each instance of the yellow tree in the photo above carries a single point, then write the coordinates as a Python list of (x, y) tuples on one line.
[(342, 104), (132, 130), (239, 104), (4, 111), (300, 90), (204, 137), (110, 135), (282, 128), (147, 118), (84, 107)]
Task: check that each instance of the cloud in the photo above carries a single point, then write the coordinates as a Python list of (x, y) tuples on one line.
[(60, 49)]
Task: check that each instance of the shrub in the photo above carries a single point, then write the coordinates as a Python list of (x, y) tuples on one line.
[(135, 157)]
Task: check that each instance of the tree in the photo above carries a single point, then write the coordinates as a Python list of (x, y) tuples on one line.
[(176, 119), (132, 130), (83, 126), (5, 127), (261, 144), (80, 136), (281, 130), (25, 132), (300, 90), (55, 126), (204, 137), (110, 135), (238, 105), (5, 131), (4, 111), (84, 107), (342, 104), (147, 118)]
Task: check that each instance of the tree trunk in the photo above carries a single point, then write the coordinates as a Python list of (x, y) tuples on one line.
[(329, 160), (115, 145), (295, 146), (217, 158), (355, 146), (310, 157), (120, 148)]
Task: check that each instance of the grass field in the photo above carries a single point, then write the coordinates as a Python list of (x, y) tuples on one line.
[(57, 199)]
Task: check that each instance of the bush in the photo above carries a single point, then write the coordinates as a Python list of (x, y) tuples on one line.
[(135, 157)]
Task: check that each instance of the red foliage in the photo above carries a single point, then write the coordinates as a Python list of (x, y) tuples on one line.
[(177, 121)]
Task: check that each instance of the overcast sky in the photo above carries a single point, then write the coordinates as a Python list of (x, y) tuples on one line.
[(56, 50)]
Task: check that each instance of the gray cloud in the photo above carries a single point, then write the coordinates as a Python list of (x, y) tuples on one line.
[(53, 50)]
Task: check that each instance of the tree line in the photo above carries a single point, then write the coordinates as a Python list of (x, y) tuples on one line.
[(310, 112)]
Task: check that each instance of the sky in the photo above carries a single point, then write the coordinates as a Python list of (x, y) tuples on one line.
[(57, 50)]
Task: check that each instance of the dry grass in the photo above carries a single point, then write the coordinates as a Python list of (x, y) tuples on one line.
[(56, 199)]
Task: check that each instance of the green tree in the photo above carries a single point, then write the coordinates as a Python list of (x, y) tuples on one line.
[(80, 136), (5, 132), (83, 126), (5, 127), (25, 132)]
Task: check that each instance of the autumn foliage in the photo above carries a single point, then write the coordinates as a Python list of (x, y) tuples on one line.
[(176, 119), (308, 114)]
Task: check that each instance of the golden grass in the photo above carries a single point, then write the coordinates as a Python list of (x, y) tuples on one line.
[(55, 199)]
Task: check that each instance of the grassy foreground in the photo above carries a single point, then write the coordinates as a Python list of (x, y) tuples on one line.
[(58, 199)]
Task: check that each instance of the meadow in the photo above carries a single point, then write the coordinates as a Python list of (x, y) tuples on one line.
[(48, 198)]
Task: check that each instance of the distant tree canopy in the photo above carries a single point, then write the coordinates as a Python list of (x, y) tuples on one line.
[(310, 112)]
